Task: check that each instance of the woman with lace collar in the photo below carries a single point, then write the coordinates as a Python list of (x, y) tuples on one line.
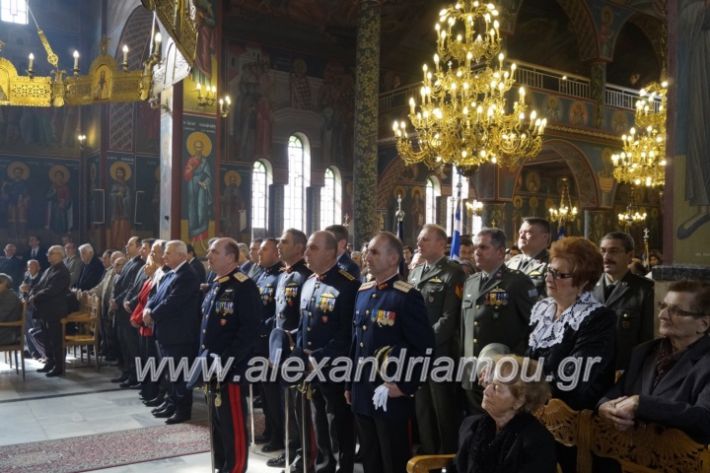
[(573, 334)]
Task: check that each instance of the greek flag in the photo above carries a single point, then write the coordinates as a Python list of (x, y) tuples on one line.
[(458, 227)]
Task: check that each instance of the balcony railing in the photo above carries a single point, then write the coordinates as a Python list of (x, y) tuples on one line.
[(537, 77)]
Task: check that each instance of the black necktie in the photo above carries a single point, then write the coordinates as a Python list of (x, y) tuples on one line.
[(608, 290), (484, 280)]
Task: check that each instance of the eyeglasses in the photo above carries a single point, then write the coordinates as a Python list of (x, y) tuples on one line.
[(557, 274), (675, 311)]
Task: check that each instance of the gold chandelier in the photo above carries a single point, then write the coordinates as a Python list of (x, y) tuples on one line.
[(643, 159), (462, 118), (566, 212), (634, 214)]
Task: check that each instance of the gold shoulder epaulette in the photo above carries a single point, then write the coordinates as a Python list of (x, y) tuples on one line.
[(402, 286), (241, 277), (223, 279), (347, 275), (367, 285)]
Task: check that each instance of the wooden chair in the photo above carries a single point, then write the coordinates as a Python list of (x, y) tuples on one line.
[(570, 428), (88, 322), (648, 448), (19, 347)]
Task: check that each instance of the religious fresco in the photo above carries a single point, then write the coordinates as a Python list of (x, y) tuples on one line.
[(147, 195), (198, 181), (690, 139), (120, 199), (234, 201), (205, 71), (39, 196)]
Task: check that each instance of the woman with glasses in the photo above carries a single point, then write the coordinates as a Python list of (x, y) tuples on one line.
[(573, 334), (668, 379)]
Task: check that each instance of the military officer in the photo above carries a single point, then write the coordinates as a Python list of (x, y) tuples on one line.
[(495, 308), (390, 321), (290, 248), (327, 304), (267, 283), (628, 295), (230, 322), (441, 282), (344, 260), (533, 240)]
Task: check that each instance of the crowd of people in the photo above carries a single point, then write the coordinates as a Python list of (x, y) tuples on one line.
[(573, 312)]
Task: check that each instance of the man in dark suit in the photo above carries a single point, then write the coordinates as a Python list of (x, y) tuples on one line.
[(495, 308), (196, 264), (628, 295), (344, 261), (10, 310), (390, 321), (12, 265), (49, 299), (441, 283), (93, 269), (174, 312), (668, 379), (533, 240), (35, 251)]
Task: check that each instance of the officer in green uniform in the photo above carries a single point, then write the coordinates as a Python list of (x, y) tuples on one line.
[(533, 240), (440, 282), (495, 309)]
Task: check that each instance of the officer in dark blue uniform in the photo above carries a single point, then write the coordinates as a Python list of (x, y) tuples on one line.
[(230, 322), (267, 284), (290, 248), (390, 322), (327, 302), (344, 261)]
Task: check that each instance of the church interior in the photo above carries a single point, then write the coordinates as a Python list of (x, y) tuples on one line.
[(198, 119)]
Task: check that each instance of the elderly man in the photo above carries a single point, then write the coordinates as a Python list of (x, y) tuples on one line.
[(10, 310), (11, 265), (92, 269), (533, 239), (109, 344), (174, 312), (48, 297), (630, 296), (390, 322), (668, 379), (72, 262)]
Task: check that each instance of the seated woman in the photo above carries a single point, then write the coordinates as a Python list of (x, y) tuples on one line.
[(668, 379), (573, 335), (507, 437)]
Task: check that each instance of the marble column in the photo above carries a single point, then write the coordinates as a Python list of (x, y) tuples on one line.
[(597, 90), (366, 116)]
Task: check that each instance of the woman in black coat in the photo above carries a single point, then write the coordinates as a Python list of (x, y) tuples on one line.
[(507, 438), (573, 334)]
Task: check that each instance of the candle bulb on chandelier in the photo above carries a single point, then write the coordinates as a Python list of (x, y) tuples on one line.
[(76, 61), (125, 56), (31, 62)]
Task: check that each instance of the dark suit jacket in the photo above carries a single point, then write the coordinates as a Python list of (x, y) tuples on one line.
[(632, 302), (346, 263), (10, 311), (13, 267), (199, 270), (91, 274), (49, 295), (681, 399), (175, 308), (41, 257)]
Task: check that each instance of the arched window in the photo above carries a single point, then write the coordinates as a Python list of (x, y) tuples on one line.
[(330, 199), (433, 190), (299, 170), (260, 181), (14, 11), (451, 204)]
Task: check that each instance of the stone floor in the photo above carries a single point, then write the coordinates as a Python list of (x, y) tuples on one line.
[(85, 402)]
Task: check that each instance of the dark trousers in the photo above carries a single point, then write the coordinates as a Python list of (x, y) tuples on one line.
[(437, 417), (128, 340), (384, 444), (148, 350), (178, 395), (336, 442), (230, 445), (109, 339), (274, 412), (52, 340)]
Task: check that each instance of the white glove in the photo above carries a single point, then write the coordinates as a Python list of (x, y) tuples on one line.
[(379, 399)]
